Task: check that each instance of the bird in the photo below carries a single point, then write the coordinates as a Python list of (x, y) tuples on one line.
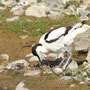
[(59, 40)]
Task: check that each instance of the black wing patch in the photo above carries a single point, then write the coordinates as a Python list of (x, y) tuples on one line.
[(53, 40)]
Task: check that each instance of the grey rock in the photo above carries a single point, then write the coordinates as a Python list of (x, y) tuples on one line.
[(84, 17), (19, 12), (36, 11), (15, 18), (87, 79), (72, 66), (20, 86), (15, 64), (55, 15), (78, 78), (32, 73), (54, 4), (84, 12), (82, 41), (82, 82), (34, 58), (72, 85), (23, 36), (65, 78), (57, 71), (4, 56), (16, 8)]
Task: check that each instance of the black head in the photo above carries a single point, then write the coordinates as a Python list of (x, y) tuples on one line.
[(34, 49)]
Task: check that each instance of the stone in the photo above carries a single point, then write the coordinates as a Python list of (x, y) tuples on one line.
[(72, 85), (27, 2), (18, 63), (82, 41), (55, 15), (82, 82), (84, 73), (57, 70), (36, 11), (2, 68), (29, 55), (86, 1), (4, 56), (18, 12), (20, 86), (54, 4), (78, 78), (52, 55), (88, 56), (32, 73), (73, 66), (87, 79), (15, 18), (23, 36), (9, 3), (34, 58), (84, 17), (84, 12), (16, 8), (2, 8), (65, 78)]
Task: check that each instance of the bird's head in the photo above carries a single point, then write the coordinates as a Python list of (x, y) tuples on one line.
[(36, 51)]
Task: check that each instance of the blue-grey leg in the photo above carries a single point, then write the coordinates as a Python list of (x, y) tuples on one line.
[(63, 59), (67, 62)]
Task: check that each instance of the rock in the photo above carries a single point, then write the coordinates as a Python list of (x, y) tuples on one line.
[(78, 78), (16, 8), (2, 8), (88, 56), (65, 78), (23, 36), (55, 15), (86, 1), (57, 71), (12, 19), (29, 55), (17, 64), (2, 68), (72, 85), (19, 12), (4, 56), (84, 12), (82, 18), (73, 66), (54, 4), (36, 11), (20, 86), (87, 79), (27, 2), (34, 58), (9, 3), (82, 82), (84, 73), (32, 73), (81, 39)]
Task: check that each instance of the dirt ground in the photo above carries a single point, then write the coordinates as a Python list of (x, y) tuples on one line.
[(12, 45)]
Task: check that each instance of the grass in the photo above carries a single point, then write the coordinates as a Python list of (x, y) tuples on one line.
[(33, 25)]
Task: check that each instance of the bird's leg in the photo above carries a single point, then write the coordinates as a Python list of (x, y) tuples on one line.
[(63, 59), (67, 62)]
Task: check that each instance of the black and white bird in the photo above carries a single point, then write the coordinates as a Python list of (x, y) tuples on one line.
[(59, 40)]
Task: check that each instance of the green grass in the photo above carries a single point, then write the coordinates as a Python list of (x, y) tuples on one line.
[(36, 26)]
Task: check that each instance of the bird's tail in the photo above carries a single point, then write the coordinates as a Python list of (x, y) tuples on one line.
[(79, 25)]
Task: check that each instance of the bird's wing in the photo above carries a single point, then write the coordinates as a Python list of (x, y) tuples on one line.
[(55, 34)]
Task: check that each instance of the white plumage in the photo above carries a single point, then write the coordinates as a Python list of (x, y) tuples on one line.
[(59, 40)]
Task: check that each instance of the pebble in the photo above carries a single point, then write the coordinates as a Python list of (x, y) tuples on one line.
[(65, 78), (23, 36), (32, 73), (15, 18), (57, 71), (20, 86), (87, 79), (4, 56), (72, 85), (82, 82)]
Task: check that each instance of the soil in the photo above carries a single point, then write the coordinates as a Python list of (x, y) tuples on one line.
[(12, 45)]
